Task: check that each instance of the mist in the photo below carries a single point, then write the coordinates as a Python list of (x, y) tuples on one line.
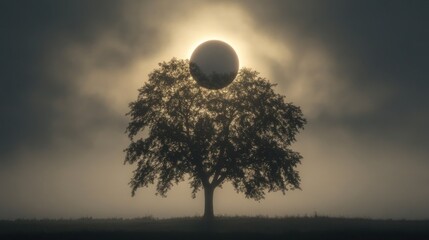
[(357, 70)]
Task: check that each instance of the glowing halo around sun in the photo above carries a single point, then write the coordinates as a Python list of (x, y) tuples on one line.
[(214, 64)]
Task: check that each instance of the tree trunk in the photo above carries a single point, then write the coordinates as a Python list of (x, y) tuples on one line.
[(208, 203)]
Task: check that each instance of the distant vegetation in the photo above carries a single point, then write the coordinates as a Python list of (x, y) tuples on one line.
[(220, 228)]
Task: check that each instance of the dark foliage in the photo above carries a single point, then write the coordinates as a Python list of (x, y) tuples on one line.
[(212, 81), (241, 134)]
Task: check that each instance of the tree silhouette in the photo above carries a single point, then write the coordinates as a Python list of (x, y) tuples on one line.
[(241, 134)]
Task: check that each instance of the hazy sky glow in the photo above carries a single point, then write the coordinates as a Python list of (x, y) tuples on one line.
[(358, 69)]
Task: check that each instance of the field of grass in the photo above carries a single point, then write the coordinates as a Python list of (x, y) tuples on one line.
[(220, 228)]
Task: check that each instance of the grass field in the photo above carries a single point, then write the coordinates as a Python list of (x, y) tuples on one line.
[(220, 228)]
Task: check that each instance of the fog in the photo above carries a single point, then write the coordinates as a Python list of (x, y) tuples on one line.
[(71, 68)]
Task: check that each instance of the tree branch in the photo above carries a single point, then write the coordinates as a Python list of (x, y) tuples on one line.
[(221, 163)]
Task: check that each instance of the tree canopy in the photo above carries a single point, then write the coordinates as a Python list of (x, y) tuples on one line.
[(241, 134)]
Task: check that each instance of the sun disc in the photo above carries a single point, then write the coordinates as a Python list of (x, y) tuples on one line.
[(214, 64)]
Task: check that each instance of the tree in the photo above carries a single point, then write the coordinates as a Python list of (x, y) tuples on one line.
[(241, 134)]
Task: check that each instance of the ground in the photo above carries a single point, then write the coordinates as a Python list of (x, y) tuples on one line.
[(221, 228)]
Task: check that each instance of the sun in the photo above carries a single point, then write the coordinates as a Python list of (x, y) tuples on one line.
[(214, 64), (229, 40)]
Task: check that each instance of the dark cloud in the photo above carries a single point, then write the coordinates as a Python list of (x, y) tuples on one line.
[(35, 35), (377, 46), (52, 110)]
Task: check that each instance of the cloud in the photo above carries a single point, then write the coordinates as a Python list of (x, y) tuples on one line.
[(358, 65), (357, 70), (41, 94)]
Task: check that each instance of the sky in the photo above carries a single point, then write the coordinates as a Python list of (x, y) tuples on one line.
[(358, 70)]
